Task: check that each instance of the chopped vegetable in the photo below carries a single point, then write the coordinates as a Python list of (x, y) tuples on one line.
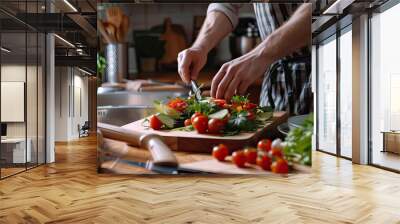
[(224, 118), (219, 114), (166, 120)]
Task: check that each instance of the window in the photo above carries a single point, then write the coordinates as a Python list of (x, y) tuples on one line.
[(326, 91), (385, 89), (345, 43)]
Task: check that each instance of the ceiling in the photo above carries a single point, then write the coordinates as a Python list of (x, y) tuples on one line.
[(72, 20)]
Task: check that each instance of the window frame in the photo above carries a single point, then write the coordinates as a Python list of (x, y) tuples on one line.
[(378, 10), (333, 33)]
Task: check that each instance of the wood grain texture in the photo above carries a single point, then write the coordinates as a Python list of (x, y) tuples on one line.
[(191, 141), (70, 191)]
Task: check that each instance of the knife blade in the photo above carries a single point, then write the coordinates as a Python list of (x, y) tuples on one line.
[(149, 165), (196, 90)]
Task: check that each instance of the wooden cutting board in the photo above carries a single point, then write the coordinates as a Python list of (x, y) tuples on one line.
[(191, 141), (195, 161)]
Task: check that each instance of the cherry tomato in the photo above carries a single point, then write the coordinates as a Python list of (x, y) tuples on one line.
[(239, 159), (220, 102), (264, 145), (220, 152), (215, 126), (276, 153), (178, 104), (196, 114), (249, 106), (251, 155), (188, 122), (280, 166), (251, 115), (155, 123), (200, 123), (264, 162)]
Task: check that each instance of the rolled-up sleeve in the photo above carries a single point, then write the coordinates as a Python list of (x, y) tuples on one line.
[(229, 9)]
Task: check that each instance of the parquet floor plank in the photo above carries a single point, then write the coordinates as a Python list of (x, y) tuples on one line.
[(70, 191)]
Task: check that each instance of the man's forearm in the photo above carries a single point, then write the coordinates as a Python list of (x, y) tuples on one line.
[(291, 36), (216, 26)]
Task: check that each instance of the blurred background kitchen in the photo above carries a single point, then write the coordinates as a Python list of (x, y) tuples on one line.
[(138, 51)]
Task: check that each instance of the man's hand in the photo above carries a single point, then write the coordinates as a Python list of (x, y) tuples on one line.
[(190, 62), (236, 76)]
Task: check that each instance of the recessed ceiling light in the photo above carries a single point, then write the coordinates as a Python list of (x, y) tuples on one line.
[(64, 40), (84, 71), (70, 5), (5, 49)]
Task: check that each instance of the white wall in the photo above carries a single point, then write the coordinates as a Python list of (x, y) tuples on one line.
[(71, 94)]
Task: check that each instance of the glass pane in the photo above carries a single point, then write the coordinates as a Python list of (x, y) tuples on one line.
[(13, 86), (41, 99), (327, 97), (385, 84), (31, 98), (346, 94)]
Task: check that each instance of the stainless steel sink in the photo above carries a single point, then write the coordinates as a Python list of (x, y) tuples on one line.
[(122, 107)]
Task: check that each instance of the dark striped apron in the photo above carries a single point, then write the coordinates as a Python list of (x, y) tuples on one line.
[(287, 82)]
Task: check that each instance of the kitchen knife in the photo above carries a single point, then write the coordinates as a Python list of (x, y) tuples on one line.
[(149, 165), (196, 90), (161, 153)]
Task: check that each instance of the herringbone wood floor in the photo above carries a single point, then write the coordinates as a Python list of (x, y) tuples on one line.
[(70, 191)]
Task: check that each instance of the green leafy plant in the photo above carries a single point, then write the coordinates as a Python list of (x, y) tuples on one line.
[(101, 66), (298, 143)]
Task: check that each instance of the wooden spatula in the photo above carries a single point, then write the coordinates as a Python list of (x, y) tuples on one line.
[(102, 31), (115, 16), (111, 31)]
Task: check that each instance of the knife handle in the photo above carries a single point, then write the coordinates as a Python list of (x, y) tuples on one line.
[(160, 152), (121, 134)]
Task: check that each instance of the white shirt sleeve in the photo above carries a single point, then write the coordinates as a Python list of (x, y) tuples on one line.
[(229, 9)]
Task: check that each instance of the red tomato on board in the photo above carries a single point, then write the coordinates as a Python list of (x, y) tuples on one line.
[(196, 114), (220, 152), (264, 145), (251, 155), (155, 123), (215, 126), (249, 106), (280, 166), (200, 123), (264, 162), (188, 122), (251, 115), (276, 153), (239, 159)]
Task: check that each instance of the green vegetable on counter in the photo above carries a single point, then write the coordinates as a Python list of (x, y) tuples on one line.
[(298, 143)]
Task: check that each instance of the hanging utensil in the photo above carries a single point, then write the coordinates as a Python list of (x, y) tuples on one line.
[(111, 30), (115, 16), (103, 31)]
